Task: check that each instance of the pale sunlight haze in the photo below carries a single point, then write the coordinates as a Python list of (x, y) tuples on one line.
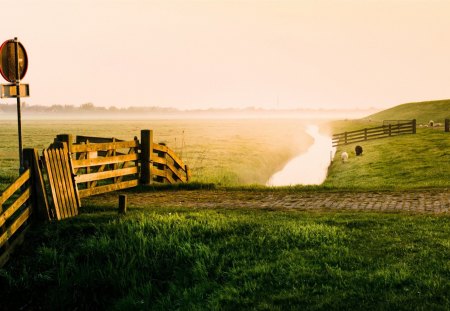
[(221, 54)]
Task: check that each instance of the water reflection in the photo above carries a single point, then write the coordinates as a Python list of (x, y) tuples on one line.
[(309, 168)]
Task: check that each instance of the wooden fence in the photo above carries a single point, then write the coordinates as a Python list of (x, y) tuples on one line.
[(14, 216), (18, 203), (399, 127), (73, 170), (109, 164)]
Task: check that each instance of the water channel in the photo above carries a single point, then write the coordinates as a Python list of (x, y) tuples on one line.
[(309, 168)]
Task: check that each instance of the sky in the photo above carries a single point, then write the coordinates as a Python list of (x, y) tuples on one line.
[(328, 54)]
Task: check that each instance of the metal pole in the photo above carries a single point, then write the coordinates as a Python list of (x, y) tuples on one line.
[(19, 115)]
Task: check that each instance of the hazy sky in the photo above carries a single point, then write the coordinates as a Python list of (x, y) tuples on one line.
[(217, 53)]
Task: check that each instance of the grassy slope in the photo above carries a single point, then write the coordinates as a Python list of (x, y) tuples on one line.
[(403, 162), (423, 112)]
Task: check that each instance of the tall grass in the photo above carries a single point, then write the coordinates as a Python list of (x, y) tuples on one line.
[(166, 258)]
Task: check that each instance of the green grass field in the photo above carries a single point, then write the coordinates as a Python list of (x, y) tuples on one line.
[(164, 258), (175, 258)]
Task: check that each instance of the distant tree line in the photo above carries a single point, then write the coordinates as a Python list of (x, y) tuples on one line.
[(90, 108), (84, 108)]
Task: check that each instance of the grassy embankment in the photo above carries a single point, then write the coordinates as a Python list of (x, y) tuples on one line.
[(403, 162), (162, 257)]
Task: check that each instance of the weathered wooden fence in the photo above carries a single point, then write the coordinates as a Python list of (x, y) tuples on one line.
[(52, 185), (108, 164), (390, 129), (18, 203)]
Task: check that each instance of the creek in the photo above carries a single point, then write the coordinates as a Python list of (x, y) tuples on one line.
[(309, 168)]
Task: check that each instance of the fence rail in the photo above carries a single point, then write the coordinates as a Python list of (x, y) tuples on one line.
[(103, 166), (107, 164), (399, 127), (14, 216)]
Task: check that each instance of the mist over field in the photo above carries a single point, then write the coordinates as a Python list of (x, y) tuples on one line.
[(89, 111), (224, 151)]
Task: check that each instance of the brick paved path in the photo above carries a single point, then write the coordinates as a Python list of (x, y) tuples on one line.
[(432, 201)]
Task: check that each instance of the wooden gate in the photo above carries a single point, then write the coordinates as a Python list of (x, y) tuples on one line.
[(65, 200)]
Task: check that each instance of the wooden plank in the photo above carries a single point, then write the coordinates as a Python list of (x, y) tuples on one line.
[(59, 182), (159, 160), (15, 206), (115, 165), (170, 179), (94, 139), (108, 188), (158, 172), (124, 164), (175, 157), (56, 178), (81, 156), (159, 148), (101, 161), (67, 173), (11, 248), (64, 185), (19, 182), (106, 174), (55, 182), (77, 194), (38, 193), (181, 176), (101, 168), (48, 167), (41, 194), (15, 225), (104, 146)]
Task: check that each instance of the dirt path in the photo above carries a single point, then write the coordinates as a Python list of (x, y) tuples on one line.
[(430, 201)]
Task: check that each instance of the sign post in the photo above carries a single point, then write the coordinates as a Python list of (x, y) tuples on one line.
[(13, 67)]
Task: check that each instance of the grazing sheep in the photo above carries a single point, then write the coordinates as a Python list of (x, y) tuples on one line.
[(431, 123), (344, 157), (358, 150)]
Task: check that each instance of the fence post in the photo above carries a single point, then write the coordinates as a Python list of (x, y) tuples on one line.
[(146, 156), (414, 122), (66, 138), (122, 204), (447, 125), (38, 194), (188, 173), (345, 137), (365, 134), (390, 129)]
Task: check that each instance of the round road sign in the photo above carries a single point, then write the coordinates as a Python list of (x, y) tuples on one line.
[(8, 60)]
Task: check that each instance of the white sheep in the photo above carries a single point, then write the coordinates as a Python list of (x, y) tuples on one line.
[(344, 157)]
